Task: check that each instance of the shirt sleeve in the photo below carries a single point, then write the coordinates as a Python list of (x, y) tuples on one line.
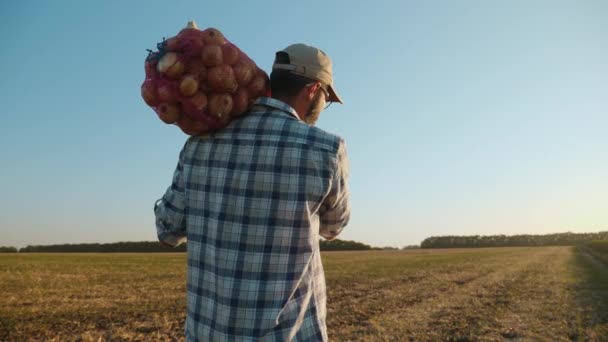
[(335, 210), (170, 209)]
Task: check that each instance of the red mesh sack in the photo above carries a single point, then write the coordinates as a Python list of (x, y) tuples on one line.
[(200, 81)]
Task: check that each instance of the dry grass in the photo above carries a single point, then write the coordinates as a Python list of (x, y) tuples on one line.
[(501, 294), (74, 297)]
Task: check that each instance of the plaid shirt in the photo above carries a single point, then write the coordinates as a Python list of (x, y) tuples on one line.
[(252, 200)]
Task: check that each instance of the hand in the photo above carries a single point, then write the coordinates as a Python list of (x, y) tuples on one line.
[(163, 243)]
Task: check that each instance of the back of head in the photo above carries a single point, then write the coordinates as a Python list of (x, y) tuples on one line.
[(299, 65), (283, 83)]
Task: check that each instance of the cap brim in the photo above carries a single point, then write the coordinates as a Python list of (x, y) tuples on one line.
[(333, 95)]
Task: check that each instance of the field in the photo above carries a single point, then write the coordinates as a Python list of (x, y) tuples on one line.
[(494, 294)]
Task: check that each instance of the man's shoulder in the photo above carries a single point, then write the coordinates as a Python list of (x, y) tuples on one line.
[(317, 137), (274, 127), (278, 126), (298, 131)]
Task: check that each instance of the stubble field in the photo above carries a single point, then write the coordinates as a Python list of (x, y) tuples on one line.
[(494, 294)]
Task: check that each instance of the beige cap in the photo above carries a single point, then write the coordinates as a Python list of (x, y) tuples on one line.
[(310, 62)]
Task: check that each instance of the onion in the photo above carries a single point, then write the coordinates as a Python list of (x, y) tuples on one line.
[(213, 36), (259, 85), (149, 93), (192, 44), (211, 55), (221, 79), (171, 65), (166, 92), (192, 39), (188, 85), (191, 126), (220, 106), (240, 102), (243, 73), (195, 67), (196, 105), (230, 53), (168, 112), (173, 44)]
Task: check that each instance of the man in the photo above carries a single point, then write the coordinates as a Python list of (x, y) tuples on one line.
[(252, 201)]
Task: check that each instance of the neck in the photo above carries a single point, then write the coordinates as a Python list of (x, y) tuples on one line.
[(296, 103)]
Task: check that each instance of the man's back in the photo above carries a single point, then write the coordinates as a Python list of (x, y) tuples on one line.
[(256, 196)]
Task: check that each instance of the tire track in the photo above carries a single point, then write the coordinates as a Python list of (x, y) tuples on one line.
[(466, 313), (591, 294), (440, 297)]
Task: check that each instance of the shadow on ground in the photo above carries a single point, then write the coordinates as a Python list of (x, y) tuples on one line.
[(591, 293)]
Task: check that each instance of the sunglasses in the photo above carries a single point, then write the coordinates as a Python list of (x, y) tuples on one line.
[(326, 97), (326, 92)]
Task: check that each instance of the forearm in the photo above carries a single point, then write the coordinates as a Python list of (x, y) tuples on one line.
[(334, 213), (171, 208), (170, 225), (333, 220)]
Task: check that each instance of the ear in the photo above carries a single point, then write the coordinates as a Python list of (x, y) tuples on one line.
[(312, 90)]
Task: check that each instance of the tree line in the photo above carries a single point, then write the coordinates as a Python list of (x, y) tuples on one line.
[(116, 247), (450, 241), (154, 247), (342, 245), (4, 249), (558, 239)]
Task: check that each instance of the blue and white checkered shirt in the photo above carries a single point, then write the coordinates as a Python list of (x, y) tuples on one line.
[(252, 201)]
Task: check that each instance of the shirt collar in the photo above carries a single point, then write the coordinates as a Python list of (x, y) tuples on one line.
[(276, 104)]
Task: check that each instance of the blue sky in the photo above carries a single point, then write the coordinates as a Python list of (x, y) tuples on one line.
[(461, 117)]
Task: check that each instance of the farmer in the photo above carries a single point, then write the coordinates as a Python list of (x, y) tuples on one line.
[(252, 201)]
